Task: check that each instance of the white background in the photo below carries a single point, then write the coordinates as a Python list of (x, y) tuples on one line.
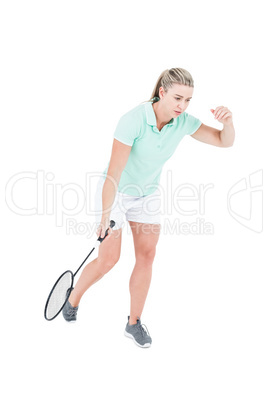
[(69, 70)]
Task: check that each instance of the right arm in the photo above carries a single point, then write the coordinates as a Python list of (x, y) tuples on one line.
[(118, 160)]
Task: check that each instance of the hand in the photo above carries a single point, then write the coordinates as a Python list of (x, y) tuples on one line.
[(223, 115), (104, 225)]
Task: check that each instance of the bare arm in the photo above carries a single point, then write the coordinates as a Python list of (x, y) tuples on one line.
[(210, 135), (213, 136), (119, 157)]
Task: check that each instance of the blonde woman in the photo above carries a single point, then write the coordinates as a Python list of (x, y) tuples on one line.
[(144, 139)]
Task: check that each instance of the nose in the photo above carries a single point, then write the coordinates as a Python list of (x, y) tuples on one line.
[(182, 105)]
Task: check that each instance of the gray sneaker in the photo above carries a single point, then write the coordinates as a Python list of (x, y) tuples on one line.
[(69, 312), (138, 334)]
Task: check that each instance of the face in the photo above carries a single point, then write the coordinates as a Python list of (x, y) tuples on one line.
[(176, 100)]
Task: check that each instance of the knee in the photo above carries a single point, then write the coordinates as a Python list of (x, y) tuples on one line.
[(146, 255), (105, 265)]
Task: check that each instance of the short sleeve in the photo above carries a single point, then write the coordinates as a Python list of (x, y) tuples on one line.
[(192, 124), (127, 130)]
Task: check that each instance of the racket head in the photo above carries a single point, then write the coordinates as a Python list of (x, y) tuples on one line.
[(59, 295)]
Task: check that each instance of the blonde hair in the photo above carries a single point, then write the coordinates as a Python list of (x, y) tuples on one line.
[(169, 77)]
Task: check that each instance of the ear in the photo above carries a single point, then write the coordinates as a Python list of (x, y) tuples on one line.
[(161, 92)]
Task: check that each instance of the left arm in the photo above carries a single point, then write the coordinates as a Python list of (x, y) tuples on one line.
[(219, 138)]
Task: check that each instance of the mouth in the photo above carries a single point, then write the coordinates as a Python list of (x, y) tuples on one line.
[(177, 112)]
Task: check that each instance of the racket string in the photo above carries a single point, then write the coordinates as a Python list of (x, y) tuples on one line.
[(59, 295)]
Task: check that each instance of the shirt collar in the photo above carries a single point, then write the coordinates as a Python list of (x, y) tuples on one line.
[(150, 115)]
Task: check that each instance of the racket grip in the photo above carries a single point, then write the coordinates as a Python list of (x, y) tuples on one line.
[(100, 239)]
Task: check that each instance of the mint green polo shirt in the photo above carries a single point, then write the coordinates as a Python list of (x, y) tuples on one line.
[(151, 148)]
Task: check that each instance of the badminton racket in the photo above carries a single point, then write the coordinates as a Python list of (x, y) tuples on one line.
[(62, 288)]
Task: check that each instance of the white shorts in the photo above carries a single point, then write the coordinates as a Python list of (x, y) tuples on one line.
[(145, 209)]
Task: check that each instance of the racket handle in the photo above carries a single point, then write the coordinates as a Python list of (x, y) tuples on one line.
[(100, 239)]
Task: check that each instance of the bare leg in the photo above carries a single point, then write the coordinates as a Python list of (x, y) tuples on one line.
[(145, 238), (139, 286), (109, 253), (90, 275)]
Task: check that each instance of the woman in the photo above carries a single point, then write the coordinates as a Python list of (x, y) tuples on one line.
[(145, 138)]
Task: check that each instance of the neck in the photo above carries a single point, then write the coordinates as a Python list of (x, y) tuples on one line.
[(161, 118)]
